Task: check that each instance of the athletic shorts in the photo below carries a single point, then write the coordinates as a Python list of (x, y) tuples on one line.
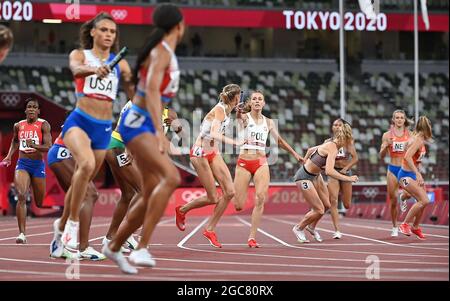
[(394, 169), (349, 172), (252, 165), (406, 174), (35, 168), (302, 175), (116, 143), (99, 131), (134, 122), (57, 153), (199, 152)]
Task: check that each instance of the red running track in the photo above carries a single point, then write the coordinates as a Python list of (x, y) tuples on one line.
[(184, 256)]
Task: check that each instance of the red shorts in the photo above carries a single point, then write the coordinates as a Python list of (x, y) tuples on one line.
[(252, 165), (199, 152)]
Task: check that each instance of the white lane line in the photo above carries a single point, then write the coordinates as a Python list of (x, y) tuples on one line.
[(181, 245), (374, 240), (187, 237), (212, 271)]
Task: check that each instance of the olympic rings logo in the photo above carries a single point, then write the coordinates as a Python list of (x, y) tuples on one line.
[(119, 14), (10, 100), (188, 195), (370, 192)]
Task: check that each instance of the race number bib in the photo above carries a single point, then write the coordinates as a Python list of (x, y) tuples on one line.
[(134, 119), (63, 153), (23, 146), (197, 151), (398, 146), (305, 185), (122, 159), (341, 153)]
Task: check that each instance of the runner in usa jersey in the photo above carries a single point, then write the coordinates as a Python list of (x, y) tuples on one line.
[(252, 163), (394, 143), (412, 180), (87, 130), (156, 76), (32, 138)]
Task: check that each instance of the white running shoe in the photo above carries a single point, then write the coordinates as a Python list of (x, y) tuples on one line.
[(367, 8), (314, 233), (21, 239), (122, 248), (91, 254), (394, 232), (56, 230), (337, 235), (300, 234), (131, 243), (56, 247), (142, 257), (120, 260), (70, 235)]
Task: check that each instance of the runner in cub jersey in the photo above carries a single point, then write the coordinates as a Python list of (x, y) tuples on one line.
[(32, 137), (87, 130), (252, 162), (394, 142)]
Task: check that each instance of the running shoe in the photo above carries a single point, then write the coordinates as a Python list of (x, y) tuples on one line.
[(131, 243), (120, 260), (394, 232), (56, 230), (405, 229), (314, 233), (337, 235), (142, 257), (56, 247), (70, 235), (252, 243), (212, 238), (180, 218), (122, 248), (418, 232), (91, 254), (300, 234), (21, 239)]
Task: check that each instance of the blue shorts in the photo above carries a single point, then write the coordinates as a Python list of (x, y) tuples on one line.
[(99, 131), (134, 122), (36, 168), (406, 174), (394, 169), (57, 153)]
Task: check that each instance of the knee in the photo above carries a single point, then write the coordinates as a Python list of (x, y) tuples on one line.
[(86, 166), (326, 207), (260, 200), (229, 194), (238, 203), (320, 210), (173, 179), (213, 199)]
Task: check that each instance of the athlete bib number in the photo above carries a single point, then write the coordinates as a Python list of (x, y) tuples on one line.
[(305, 185), (23, 146), (63, 153), (341, 153), (398, 147), (197, 151), (122, 159), (134, 119)]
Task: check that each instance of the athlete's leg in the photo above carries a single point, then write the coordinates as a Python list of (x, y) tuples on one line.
[(333, 190), (392, 188), (262, 180), (312, 198), (223, 176), (150, 160), (415, 213), (322, 191), (38, 186), (206, 177), (22, 181), (242, 178)]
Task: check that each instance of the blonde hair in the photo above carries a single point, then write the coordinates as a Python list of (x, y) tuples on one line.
[(344, 135), (228, 93), (423, 127), (6, 37), (408, 121)]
